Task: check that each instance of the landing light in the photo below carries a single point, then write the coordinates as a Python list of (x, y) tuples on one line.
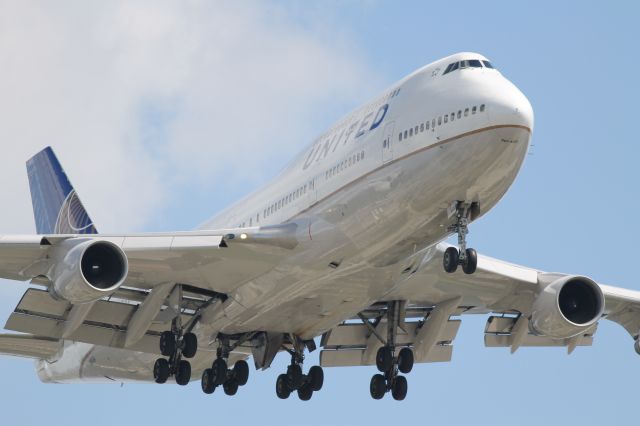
[(243, 236)]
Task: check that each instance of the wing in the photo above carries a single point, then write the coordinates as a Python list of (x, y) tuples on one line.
[(511, 291)]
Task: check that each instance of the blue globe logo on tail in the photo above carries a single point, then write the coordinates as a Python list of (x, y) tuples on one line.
[(57, 209)]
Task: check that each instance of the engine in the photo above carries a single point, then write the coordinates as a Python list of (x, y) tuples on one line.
[(567, 307), (87, 271)]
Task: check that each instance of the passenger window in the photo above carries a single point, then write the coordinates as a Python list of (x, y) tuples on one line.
[(466, 112), (349, 161), (459, 113), (426, 125), (487, 64), (482, 108), (416, 130), (446, 118), (433, 124), (473, 110), (421, 127), (250, 221), (453, 115), (411, 132), (400, 136), (474, 63), (362, 154), (406, 134)]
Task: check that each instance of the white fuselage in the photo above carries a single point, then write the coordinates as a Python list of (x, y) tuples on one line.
[(369, 193)]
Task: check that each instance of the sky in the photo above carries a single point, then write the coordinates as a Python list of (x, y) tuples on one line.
[(165, 112)]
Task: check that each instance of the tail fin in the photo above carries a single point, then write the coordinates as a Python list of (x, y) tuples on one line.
[(56, 206)]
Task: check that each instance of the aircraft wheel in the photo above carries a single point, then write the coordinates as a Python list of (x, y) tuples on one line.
[(399, 388), (451, 259), (208, 385), (470, 262), (183, 373), (282, 387), (405, 360), (316, 378), (384, 359), (161, 370), (241, 370), (294, 373), (219, 371), (167, 343), (230, 387), (305, 392), (378, 386), (190, 342)]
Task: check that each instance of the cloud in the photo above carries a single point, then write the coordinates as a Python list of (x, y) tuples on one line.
[(145, 100)]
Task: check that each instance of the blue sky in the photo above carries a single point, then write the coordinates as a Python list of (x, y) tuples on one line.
[(162, 103)]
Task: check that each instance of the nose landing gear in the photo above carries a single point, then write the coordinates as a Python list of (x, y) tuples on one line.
[(466, 257)]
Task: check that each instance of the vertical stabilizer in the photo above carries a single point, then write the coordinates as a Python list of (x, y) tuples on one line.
[(57, 208)]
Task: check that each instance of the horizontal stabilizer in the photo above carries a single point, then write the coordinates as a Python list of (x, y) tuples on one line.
[(28, 346)]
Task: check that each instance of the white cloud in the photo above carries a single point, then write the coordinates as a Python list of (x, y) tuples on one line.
[(140, 98)]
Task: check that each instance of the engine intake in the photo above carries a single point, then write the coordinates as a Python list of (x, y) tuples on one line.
[(88, 270), (567, 307)]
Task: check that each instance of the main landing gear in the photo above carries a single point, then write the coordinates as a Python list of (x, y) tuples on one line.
[(220, 375), (175, 345), (391, 364), (467, 257), (294, 380)]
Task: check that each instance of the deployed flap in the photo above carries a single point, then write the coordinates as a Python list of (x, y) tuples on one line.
[(28, 346)]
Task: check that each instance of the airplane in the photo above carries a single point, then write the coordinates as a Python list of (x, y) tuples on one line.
[(345, 249)]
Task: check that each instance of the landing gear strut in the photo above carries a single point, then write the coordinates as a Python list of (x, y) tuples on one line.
[(294, 380), (220, 375), (177, 343), (389, 364), (467, 257)]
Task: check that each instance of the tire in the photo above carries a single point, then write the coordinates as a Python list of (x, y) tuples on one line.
[(282, 387), (219, 371), (316, 378), (405, 360), (378, 386), (208, 386), (167, 343), (471, 261), (305, 392), (230, 387), (189, 345), (399, 388), (161, 370), (241, 370), (450, 259), (294, 373), (183, 373), (384, 359)]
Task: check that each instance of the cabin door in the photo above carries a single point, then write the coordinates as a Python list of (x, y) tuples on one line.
[(387, 143)]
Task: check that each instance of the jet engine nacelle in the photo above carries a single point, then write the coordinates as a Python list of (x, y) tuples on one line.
[(87, 271), (567, 307)]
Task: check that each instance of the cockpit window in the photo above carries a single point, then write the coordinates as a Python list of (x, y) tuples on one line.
[(469, 63)]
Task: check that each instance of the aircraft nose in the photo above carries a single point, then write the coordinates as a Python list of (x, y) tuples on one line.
[(512, 107)]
